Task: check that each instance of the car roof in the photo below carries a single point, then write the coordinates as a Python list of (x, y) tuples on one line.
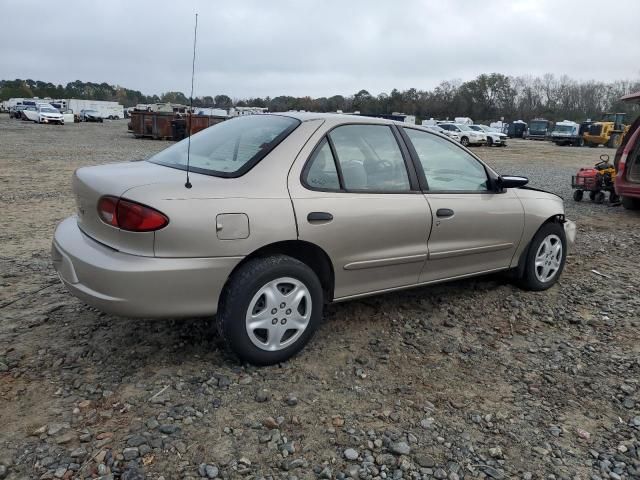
[(337, 118)]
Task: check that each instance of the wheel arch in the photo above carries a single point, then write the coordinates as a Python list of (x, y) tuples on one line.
[(308, 253), (558, 218)]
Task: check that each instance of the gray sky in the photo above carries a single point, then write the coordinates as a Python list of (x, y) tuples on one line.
[(313, 47)]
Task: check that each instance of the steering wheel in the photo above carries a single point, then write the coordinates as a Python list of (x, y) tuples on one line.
[(383, 165)]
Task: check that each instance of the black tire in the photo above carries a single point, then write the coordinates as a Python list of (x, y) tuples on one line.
[(577, 195), (592, 196), (529, 279), (579, 142), (630, 203), (614, 141), (464, 141), (599, 197), (243, 285), (489, 141)]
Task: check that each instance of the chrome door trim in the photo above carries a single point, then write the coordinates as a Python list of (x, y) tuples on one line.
[(385, 262)]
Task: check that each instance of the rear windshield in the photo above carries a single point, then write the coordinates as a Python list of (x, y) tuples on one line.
[(230, 148)]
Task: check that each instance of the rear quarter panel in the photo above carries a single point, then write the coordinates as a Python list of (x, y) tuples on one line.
[(261, 194)]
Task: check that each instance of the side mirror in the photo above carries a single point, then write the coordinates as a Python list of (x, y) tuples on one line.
[(511, 181)]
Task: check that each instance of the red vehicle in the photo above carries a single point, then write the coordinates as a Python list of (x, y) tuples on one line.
[(627, 162)]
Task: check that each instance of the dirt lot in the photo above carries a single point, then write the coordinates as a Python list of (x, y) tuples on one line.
[(474, 379)]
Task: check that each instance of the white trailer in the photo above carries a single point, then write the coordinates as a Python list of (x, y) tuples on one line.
[(106, 109)]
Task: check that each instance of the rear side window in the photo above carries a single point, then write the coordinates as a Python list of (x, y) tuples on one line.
[(230, 148), (370, 158), (321, 171)]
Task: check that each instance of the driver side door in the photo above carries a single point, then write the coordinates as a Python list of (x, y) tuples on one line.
[(475, 229)]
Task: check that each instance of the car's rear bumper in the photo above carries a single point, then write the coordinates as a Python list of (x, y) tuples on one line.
[(137, 286), (625, 188)]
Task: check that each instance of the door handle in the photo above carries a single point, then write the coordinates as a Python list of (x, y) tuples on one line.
[(319, 217), (444, 213)]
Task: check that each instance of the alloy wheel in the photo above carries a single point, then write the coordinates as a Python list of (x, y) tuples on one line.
[(548, 258), (278, 314)]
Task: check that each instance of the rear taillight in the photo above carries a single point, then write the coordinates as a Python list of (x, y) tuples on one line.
[(621, 164), (130, 216)]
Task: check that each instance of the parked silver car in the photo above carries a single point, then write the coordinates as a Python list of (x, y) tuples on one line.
[(288, 212)]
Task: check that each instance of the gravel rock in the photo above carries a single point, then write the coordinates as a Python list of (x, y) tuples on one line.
[(351, 454), (130, 453), (400, 448), (211, 471)]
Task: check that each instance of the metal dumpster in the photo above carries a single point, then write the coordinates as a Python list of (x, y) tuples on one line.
[(169, 125)]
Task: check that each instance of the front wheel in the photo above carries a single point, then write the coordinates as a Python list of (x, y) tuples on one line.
[(464, 141), (270, 309), (489, 141), (545, 258), (577, 195)]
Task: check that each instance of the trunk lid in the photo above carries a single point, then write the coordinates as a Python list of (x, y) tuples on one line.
[(91, 183)]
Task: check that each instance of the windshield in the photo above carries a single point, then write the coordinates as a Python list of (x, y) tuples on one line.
[(91, 112), (229, 148), (539, 125), (48, 110), (563, 128), (477, 128), (464, 128)]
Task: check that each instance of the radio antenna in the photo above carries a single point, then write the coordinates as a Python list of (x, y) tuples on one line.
[(193, 71)]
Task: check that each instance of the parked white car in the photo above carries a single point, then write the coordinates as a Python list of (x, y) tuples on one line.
[(48, 114), (436, 128), (493, 138), (468, 136)]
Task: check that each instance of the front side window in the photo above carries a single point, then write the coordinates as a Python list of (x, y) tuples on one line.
[(370, 158), (231, 147), (446, 166)]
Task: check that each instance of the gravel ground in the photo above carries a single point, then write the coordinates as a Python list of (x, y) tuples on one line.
[(471, 380)]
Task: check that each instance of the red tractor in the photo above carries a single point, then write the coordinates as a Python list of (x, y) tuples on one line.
[(596, 181)]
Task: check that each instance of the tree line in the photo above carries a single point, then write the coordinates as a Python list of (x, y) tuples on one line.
[(488, 97)]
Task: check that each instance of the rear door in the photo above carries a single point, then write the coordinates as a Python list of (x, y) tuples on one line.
[(358, 198), (475, 229)]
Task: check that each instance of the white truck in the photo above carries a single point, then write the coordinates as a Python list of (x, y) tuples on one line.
[(567, 133)]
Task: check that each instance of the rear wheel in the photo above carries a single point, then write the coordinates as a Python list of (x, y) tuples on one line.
[(630, 203), (270, 309), (592, 196), (577, 195), (545, 258)]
